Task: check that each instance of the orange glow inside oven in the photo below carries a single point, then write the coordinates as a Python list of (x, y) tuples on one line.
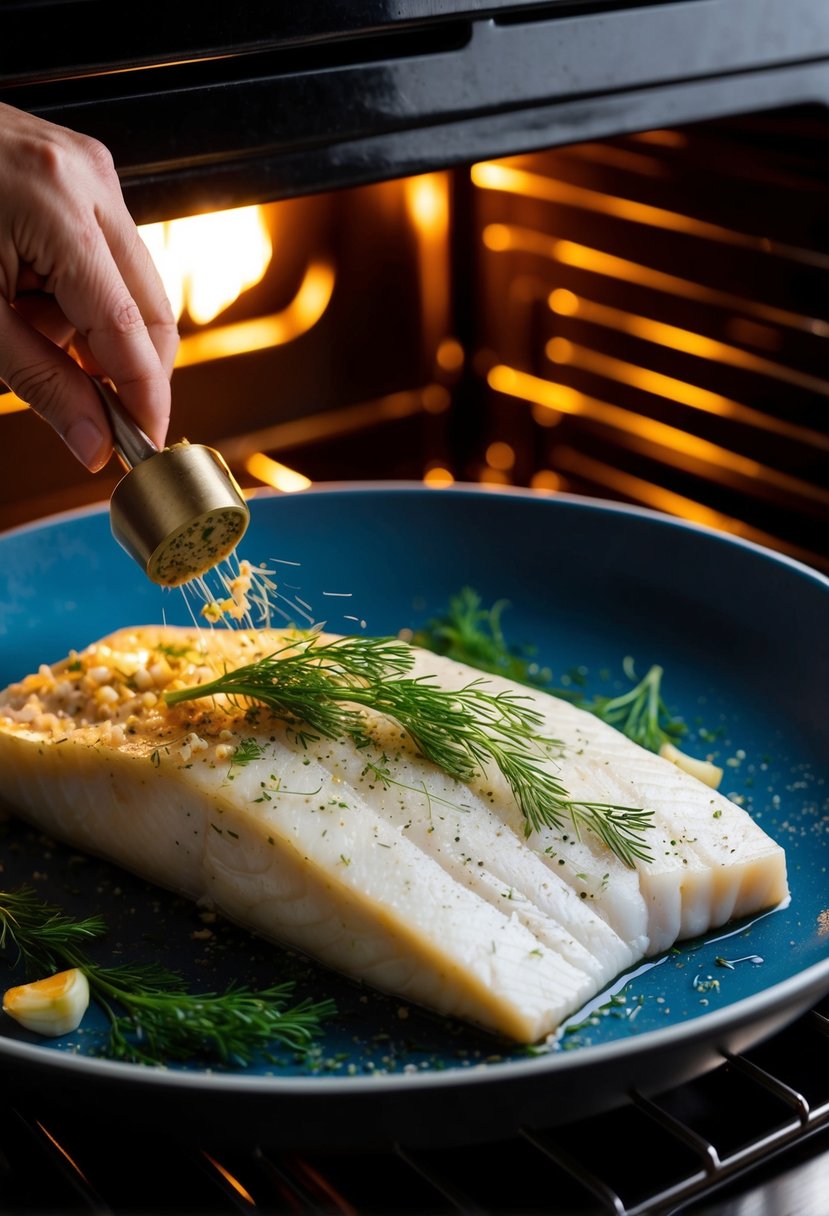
[(598, 320)]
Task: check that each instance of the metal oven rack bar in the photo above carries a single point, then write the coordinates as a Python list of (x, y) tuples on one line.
[(751, 1121)]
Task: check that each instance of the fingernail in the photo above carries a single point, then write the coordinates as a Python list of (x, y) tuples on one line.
[(85, 440)]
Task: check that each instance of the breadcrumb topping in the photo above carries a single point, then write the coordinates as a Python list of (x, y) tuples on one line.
[(113, 696)]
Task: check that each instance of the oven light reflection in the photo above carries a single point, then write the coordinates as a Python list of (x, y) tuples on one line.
[(661, 499), (500, 455), (69, 1159), (232, 1181), (685, 341), (207, 261), (427, 202), (493, 477), (435, 399), (546, 480), (493, 175), (489, 175), (261, 333), (672, 446), (272, 473), (450, 355), (619, 158), (563, 302), (10, 403), (317, 1184), (662, 138), (561, 351), (505, 238), (437, 475)]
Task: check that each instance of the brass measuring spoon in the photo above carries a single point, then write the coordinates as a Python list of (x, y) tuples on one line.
[(178, 511)]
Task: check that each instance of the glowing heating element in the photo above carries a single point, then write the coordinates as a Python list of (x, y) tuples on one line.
[(207, 261)]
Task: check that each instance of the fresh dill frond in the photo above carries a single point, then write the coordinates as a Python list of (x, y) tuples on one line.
[(38, 934), (473, 634), (325, 685), (160, 1021), (152, 1016), (245, 752), (641, 712)]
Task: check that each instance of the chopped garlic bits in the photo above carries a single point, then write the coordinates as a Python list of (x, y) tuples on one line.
[(52, 1006), (703, 770), (111, 695), (98, 691), (246, 595), (237, 603)]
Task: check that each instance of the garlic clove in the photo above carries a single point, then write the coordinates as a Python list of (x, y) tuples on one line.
[(52, 1006), (704, 770)]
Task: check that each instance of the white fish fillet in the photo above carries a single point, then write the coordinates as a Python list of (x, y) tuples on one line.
[(414, 883)]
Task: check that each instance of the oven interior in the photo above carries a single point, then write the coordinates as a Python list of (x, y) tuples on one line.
[(641, 318)]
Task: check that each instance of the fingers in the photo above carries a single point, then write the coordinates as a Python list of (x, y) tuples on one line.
[(42, 312), (64, 227), (92, 293), (109, 288), (48, 380), (143, 281)]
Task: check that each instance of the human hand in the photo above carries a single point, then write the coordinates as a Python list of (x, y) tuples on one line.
[(74, 272)]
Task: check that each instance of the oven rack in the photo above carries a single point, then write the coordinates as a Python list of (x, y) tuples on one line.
[(747, 1120)]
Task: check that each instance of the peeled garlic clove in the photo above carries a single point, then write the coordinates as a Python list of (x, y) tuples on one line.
[(704, 770), (52, 1006)]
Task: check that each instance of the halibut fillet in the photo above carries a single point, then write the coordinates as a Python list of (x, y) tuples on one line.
[(373, 860)]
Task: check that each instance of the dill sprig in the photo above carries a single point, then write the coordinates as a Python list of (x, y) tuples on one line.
[(641, 712), (38, 933), (152, 1016), (473, 634), (162, 1021), (246, 751), (325, 686)]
